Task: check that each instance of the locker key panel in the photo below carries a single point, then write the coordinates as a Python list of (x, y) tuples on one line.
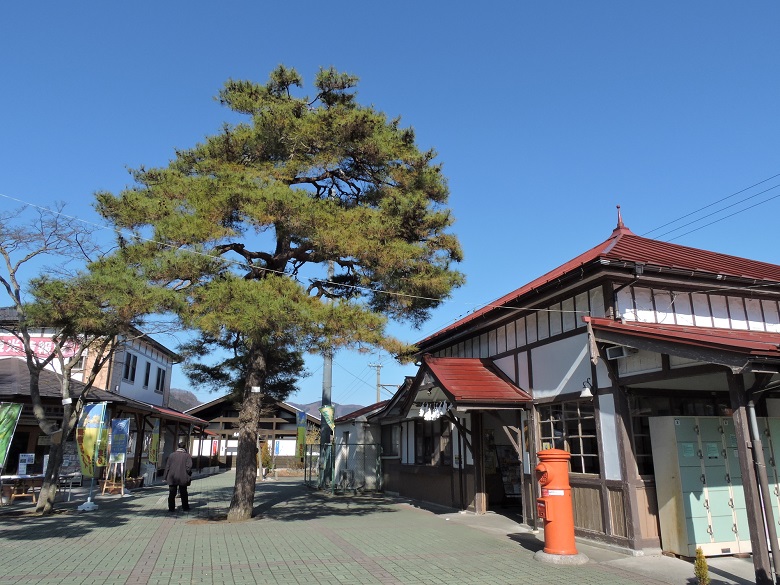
[(685, 429), (723, 528), (710, 429), (720, 502), (695, 504), (689, 454), (691, 479), (716, 476), (698, 531), (738, 494)]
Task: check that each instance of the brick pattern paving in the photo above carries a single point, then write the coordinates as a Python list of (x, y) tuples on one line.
[(298, 536)]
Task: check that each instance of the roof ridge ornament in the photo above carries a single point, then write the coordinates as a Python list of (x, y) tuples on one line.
[(620, 228)]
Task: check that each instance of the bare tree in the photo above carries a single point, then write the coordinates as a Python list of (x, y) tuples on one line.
[(87, 306)]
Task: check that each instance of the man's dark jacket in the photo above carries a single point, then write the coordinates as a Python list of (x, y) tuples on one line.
[(178, 468)]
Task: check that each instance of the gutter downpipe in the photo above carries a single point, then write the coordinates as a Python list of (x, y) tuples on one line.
[(766, 500)]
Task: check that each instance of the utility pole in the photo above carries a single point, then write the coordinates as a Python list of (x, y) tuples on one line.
[(378, 367), (326, 451)]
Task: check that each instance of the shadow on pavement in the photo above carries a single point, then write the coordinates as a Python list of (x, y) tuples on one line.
[(286, 501), (527, 540)]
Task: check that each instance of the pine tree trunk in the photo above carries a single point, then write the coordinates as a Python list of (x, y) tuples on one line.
[(243, 499), (49, 487), (51, 476), (242, 503)]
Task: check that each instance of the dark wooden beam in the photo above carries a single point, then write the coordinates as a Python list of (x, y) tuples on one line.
[(758, 541)]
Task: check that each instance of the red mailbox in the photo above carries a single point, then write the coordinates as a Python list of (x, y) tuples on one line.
[(554, 507)]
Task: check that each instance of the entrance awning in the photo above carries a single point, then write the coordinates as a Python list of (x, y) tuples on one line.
[(471, 383), (742, 351)]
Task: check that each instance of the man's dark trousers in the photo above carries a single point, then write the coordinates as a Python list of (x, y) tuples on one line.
[(185, 504)]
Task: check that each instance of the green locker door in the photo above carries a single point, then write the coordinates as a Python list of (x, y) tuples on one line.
[(771, 428), (737, 490), (717, 480)]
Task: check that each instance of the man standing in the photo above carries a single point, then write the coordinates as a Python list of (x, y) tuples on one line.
[(178, 474)]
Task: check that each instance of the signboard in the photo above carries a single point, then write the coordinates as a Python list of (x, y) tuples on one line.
[(9, 415), (11, 346), (25, 459), (88, 436), (120, 436)]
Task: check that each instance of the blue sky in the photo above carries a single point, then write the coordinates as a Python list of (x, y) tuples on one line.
[(545, 115)]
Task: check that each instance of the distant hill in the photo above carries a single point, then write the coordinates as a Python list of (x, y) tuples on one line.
[(313, 408), (183, 399)]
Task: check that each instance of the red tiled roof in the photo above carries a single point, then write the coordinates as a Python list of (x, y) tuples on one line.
[(624, 246), (474, 380), (751, 343)]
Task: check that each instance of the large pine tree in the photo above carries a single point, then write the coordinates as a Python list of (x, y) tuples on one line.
[(244, 226)]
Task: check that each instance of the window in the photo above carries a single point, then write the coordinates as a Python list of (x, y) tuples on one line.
[(571, 426), (146, 374), (644, 407), (432, 443), (79, 367), (391, 440), (159, 386), (131, 361)]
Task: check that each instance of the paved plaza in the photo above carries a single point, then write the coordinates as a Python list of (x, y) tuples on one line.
[(301, 536)]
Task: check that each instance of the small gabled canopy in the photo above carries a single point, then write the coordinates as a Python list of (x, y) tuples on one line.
[(742, 351), (465, 383)]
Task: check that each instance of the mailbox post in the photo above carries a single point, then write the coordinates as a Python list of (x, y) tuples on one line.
[(555, 508)]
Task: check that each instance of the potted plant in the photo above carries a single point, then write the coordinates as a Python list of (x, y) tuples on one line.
[(133, 483)]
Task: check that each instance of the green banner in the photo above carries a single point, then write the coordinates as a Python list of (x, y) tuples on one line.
[(9, 415), (88, 437), (301, 442), (328, 415), (154, 446)]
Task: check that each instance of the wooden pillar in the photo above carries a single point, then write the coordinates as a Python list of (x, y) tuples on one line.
[(140, 430), (477, 441), (632, 483), (749, 482)]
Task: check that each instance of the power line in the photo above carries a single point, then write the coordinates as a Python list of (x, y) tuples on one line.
[(709, 205), (720, 211), (728, 216), (473, 306)]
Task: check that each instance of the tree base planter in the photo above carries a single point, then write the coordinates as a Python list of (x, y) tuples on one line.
[(134, 483)]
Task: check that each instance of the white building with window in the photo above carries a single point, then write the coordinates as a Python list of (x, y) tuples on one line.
[(630, 352), (140, 367)]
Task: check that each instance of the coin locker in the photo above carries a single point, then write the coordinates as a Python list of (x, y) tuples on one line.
[(699, 485)]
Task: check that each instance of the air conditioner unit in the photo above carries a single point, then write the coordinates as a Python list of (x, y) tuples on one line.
[(617, 352)]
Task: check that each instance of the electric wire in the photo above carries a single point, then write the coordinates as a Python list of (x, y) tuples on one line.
[(473, 307), (709, 205), (720, 211)]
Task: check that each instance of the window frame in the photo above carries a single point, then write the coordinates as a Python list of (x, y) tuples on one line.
[(131, 363), (159, 384), (572, 426), (147, 373)]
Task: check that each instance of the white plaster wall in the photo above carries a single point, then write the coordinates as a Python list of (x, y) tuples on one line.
[(560, 367)]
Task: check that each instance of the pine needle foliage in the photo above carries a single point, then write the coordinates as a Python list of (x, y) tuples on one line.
[(244, 225)]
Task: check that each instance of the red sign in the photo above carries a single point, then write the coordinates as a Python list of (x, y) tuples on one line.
[(41, 346)]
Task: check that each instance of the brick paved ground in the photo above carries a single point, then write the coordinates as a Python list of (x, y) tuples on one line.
[(298, 536)]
